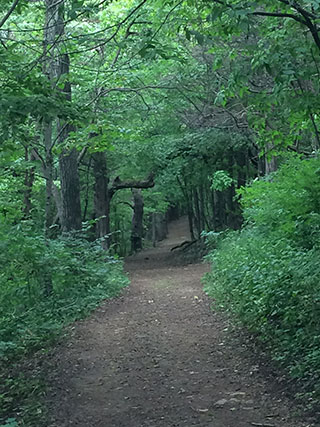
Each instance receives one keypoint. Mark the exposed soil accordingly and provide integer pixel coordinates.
(160, 357)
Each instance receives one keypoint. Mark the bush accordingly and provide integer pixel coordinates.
(287, 203)
(268, 273)
(80, 273)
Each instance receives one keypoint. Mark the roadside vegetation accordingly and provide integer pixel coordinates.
(267, 274)
(32, 317)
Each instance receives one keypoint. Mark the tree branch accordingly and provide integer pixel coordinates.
(305, 19)
(6, 17)
(38, 156)
(128, 204)
(82, 154)
(119, 185)
(300, 9)
(279, 15)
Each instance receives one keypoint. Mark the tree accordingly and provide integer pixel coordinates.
(137, 220)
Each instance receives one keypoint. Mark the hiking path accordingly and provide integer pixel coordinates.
(159, 356)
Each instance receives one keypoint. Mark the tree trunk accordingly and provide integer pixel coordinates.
(190, 221)
(230, 207)
(154, 229)
(53, 29)
(70, 191)
(48, 169)
(55, 66)
(49, 205)
(101, 198)
(213, 219)
(197, 212)
(118, 184)
(137, 221)
(219, 210)
(68, 163)
(271, 163)
(203, 221)
(87, 191)
(28, 184)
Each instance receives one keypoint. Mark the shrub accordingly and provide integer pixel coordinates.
(268, 273)
(81, 274)
(287, 203)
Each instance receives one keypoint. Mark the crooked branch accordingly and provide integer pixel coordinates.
(118, 184)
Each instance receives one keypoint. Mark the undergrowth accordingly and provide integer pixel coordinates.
(268, 274)
(81, 275)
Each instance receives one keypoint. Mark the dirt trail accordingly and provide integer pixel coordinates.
(159, 357)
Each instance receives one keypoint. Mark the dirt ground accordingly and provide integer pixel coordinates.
(158, 356)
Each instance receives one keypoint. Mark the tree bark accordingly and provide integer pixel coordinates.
(190, 221)
(70, 191)
(101, 198)
(68, 163)
(48, 169)
(56, 65)
(137, 220)
(28, 184)
(87, 190)
(118, 184)
(52, 31)
(271, 164)
(219, 210)
(49, 205)
(195, 198)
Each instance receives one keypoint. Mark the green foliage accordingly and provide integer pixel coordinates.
(21, 394)
(10, 422)
(81, 273)
(287, 203)
(221, 180)
(268, 273)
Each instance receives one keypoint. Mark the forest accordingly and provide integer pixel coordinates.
(118, 116)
